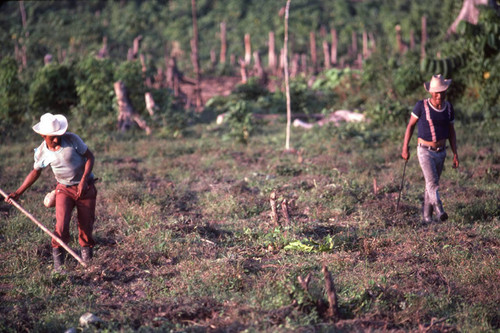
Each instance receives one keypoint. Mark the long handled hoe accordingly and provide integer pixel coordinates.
(47, 231)
(401, 188)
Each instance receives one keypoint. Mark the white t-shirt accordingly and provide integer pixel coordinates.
(67, 163)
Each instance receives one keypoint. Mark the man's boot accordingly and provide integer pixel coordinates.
(427, 210)
(58, 256)
(441, 214)
(87, 254)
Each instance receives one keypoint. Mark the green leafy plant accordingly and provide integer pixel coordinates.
(240, 122)
(94, 86)
(130, 73)
(12, 99)
(53, 89)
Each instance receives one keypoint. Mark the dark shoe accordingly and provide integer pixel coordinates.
(58, 255)
(87, 254)
(427, 211)
(441, 214)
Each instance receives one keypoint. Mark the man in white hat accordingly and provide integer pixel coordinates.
(434, 118)
(71, 162)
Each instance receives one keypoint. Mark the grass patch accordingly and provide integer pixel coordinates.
(185, 241)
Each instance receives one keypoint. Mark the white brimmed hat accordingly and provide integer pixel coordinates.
(437, 84)
(51, 124)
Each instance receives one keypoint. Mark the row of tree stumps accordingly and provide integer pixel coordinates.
(169, 76)
(306, 64)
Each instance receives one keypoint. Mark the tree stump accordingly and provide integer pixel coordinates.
(333, 54)
(127, 115)
(248, 49)
(274, 211)
(333, 311)
(284, 210)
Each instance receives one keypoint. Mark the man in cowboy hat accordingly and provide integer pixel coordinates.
(434, 118)
(71, 162)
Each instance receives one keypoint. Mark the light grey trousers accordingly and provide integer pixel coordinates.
(431, 163)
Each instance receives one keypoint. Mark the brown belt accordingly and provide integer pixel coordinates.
(437, 149)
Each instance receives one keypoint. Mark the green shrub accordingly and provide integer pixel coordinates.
(53, 89)
(389, 112)
(94, 86)
(12, 101)
(407, 77)
(240, 121)
(130, 72)
(170, 116)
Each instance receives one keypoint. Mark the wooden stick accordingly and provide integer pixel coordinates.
(47, 231)
(423, 38)
(195, 58)
(284, 210)
(312, 46)
(223, 45)
(326, 55)
(287, 79)
(271, 53)
(401, 188)
(248, 49)
(334, 47)
(333, 310)
(274, 212)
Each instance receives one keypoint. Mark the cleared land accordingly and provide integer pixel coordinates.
(185, 241)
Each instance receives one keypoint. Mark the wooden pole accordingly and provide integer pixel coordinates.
(294, 70)
(284, 210)
(47, 231)
(365, 45)
(424, 37)
(243, 71)
(24, 58)
(136, 45)
(312, 46)
(195, 59)
(271, 53)
(334, 48)
(282, 62)
(287, 84)
(248, 50)
(354, 44)
(274, 212)
(326, 55)
(223, 43)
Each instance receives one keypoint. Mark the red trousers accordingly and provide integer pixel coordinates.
(85, 207)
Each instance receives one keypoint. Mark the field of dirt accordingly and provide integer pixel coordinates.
(186, 241)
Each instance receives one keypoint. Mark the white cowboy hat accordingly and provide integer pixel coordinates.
(437, 84)
(51, 125)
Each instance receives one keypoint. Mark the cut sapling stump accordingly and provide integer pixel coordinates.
(274, 212)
